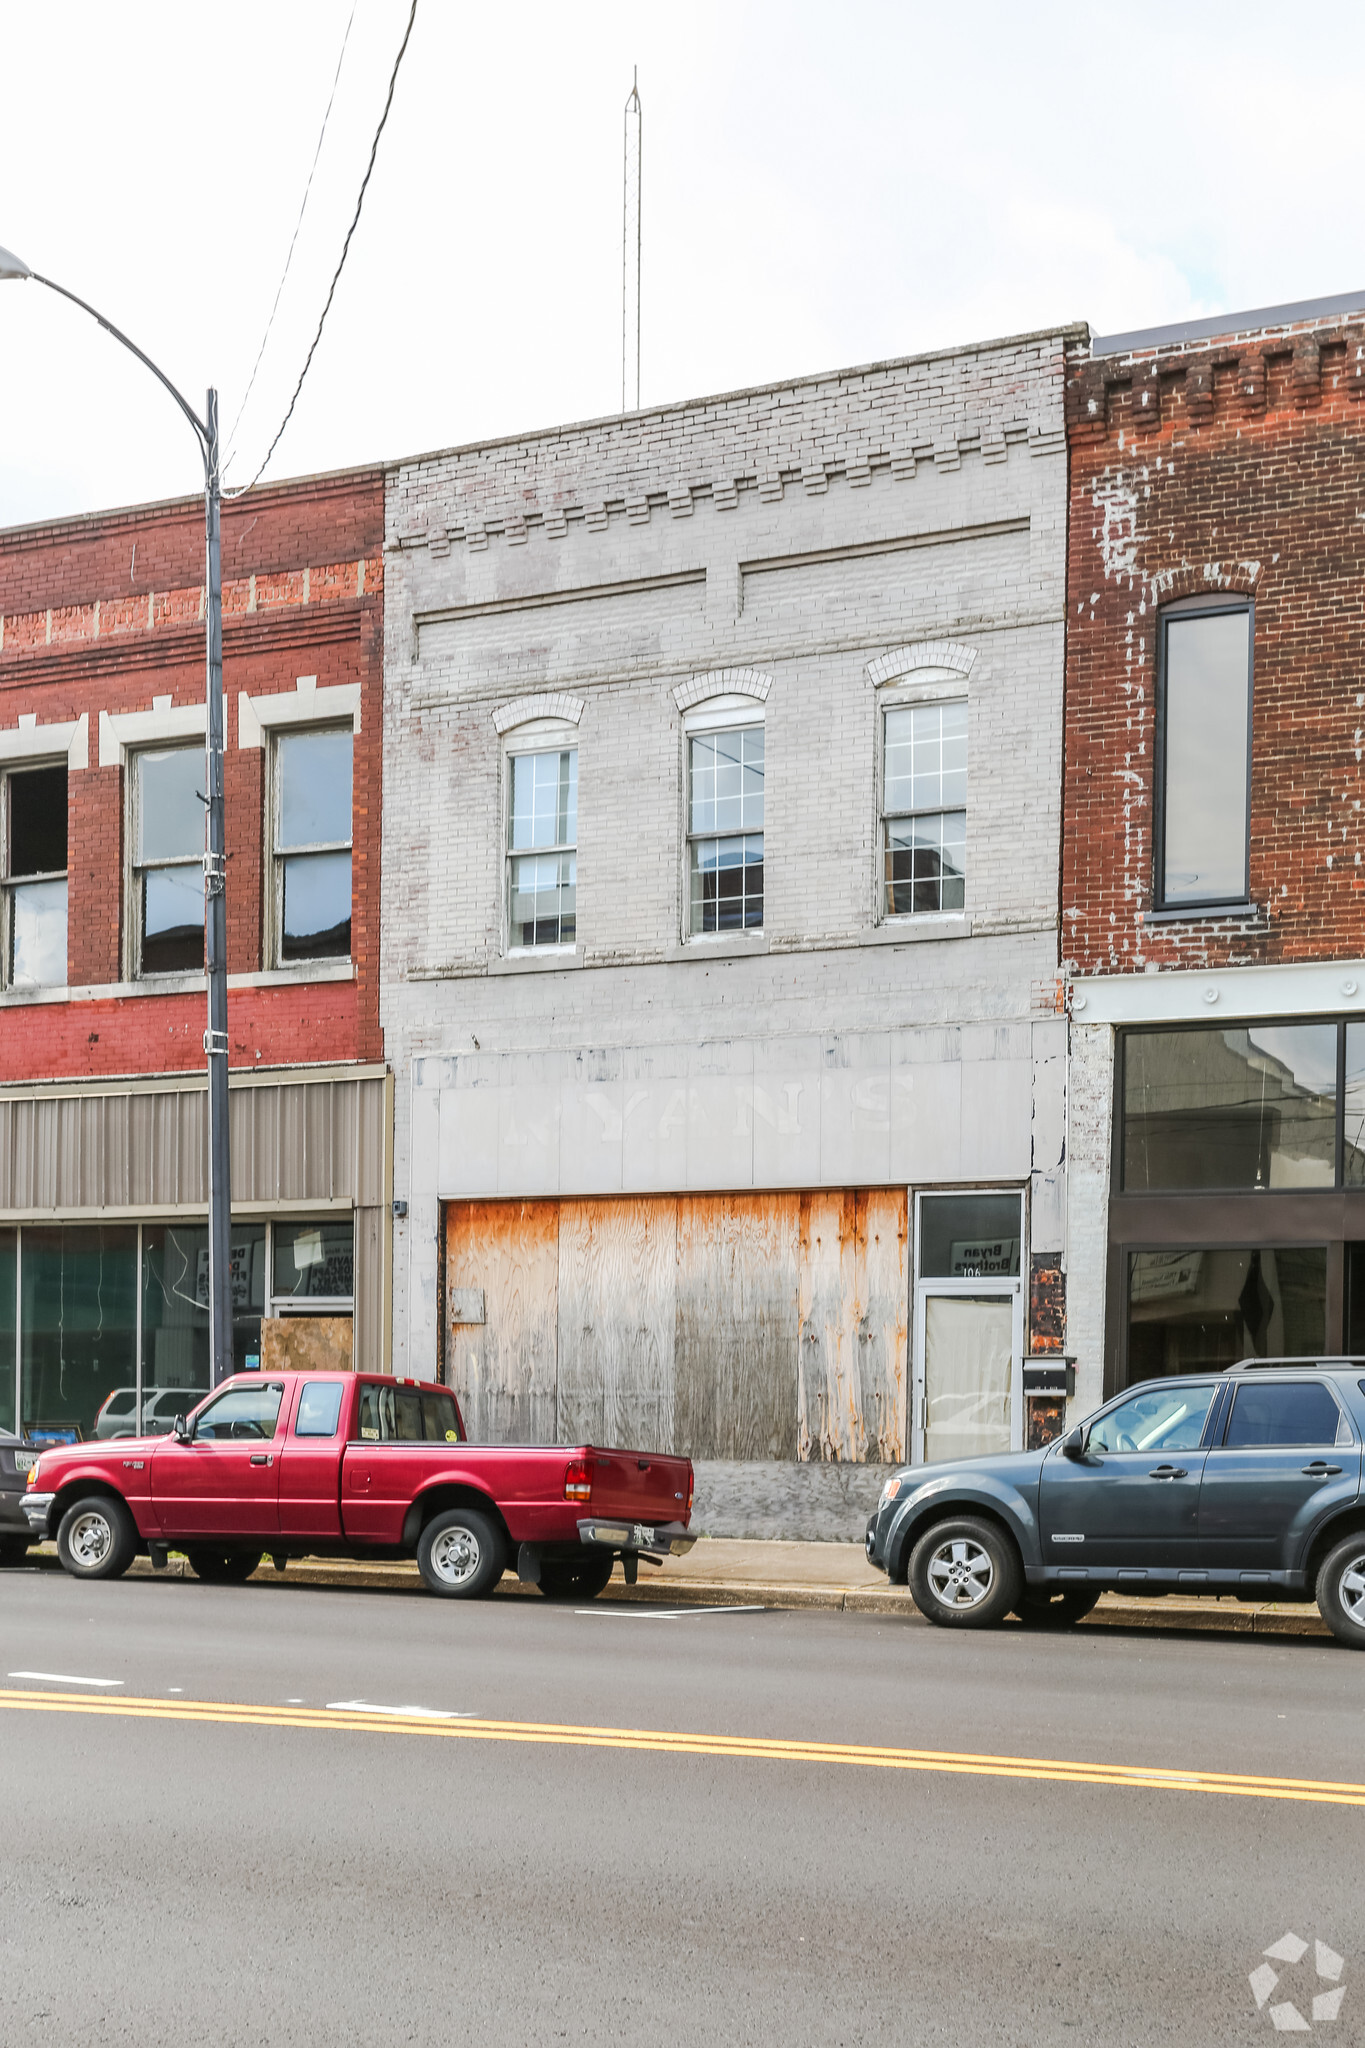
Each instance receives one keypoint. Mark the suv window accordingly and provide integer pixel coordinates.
(242, 1414)
(408, 1415)
(1296, 1412)
(1161, 1419)
(319, 1408)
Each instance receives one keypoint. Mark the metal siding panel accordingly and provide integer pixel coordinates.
(43, 1191)
(265, 1143)
(504, 1371)
(368, 1343)
(192, 1162)
(737, 1343)
(8, 1142)
(618, 1269)
(368, 1167)
(317, 1126)
(291, 1142)
(115, 1175)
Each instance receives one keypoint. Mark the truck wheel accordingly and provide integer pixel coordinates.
(461, 1554)
(97, 1538)
(13, 1549)
(1341, 1591)
(221, 1567)
(1042, 1608)
(965, 1574)
(564, 1578)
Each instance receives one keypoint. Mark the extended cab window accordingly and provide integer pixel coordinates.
(1167, 1419)
(408, 1415)
(319, 1408)
(1292, 1414)
(242, 1414)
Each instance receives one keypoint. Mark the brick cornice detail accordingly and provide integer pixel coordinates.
(314, 626)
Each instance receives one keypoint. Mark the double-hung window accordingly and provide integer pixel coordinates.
(725, 830)
(34, 877)
(924, 809)
(168, 861)
(542, 848)
(310, 864)
(1203, 755)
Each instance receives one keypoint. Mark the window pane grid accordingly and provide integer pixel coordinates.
(727, 884)
(926, 863)
(33, 870)
(543, 815)
(544, 808)
(924, 795)
(313, 784)
(725, 793)
(926, 758)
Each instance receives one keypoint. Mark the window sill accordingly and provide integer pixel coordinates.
(718, 946)
(177, 985)
(1204, 913)
(913, 931)
(537, 960)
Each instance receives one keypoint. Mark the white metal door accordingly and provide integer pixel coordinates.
(968, 1376)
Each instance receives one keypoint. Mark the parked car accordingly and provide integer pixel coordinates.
(1246, 1482)
(347, 1465)
(15, 1461)
(118, 1413)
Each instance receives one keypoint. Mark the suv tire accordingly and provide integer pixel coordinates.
(965, 1573)
(575, 1578)
(97, 1538)
(1043, 1607)
(1341, 1591)
(461, 1554)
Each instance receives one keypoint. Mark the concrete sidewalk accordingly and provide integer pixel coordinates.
(830, 1576)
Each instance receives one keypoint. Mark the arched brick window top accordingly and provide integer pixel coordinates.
(1204, 579)
(530, 710)
(950, 656)
(723, 682)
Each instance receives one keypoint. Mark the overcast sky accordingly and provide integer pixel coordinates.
(823, 185)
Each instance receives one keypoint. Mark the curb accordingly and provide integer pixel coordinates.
(1171, 1615)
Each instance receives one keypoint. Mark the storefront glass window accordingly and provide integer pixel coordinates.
(1201, 1310)
(315, 1261)
(8, 1244)
(78, 1356)
(175, 1316)
(1253, 1107)
(1353, 1108)
(965, 1237)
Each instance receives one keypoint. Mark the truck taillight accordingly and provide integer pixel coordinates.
(578, 1480)
(691, 1489)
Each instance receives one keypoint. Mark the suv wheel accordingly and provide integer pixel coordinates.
(461, 1554)
(1341, 1591)
(1043, 1608)
(965, 1574)
(97, 1538)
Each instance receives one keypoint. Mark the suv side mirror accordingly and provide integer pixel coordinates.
(1073, 1443)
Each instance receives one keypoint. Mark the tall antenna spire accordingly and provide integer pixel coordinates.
(630, 255)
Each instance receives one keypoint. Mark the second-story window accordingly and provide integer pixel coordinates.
(34, 877)
(1203, 755)
(311, 846)
(542, 841)
(725, 830)
(168, 861)
(924, 809)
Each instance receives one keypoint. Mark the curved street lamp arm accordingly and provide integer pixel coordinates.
(190, 414)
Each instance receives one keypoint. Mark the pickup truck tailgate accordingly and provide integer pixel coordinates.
(640, 1485)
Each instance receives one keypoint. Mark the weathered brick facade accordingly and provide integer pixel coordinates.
(101, 619)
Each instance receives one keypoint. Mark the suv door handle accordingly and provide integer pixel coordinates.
(1168, 1472)
(260, 1457)
(1319, 1469)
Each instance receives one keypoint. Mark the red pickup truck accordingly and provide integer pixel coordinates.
(357, 1465)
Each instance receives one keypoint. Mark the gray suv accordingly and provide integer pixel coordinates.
(1246, 1482)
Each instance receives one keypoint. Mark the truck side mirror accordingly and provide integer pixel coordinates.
(182, 1430)
(1073, 1443)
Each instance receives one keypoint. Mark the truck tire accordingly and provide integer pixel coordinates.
(461, 1554)
(221, 1567)
(13, 1549)
(97, 1538)
(572, 1578)
(1041, 1607)
(1341, 1591)
(965, 1573)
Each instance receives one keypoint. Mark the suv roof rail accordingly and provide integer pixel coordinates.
(1342, 1362)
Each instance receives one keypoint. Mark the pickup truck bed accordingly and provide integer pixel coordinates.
(341, 1464)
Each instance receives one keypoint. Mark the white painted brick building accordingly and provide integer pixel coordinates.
(662, 1183)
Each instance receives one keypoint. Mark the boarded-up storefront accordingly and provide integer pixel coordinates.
(733, 1326)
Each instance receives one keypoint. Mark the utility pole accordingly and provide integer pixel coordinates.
(630, 254)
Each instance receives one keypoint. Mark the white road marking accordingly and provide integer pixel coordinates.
(64, 1678)
(406, 1713)
(293, 1703)
(623, 1613)
(175, 1688)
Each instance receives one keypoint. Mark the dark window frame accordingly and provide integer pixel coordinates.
(278, 855)
(10, 882)
(1185, 608)
(1118, 1299)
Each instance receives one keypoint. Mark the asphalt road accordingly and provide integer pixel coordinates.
(304, 1868)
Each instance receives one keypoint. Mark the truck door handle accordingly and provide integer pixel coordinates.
(260, 1457)
(1319, 1469)
(1168, 1472)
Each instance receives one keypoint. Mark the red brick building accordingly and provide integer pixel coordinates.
(1213, 897)
(102, 993)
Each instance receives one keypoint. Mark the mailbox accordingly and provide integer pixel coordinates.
(1050, 1373)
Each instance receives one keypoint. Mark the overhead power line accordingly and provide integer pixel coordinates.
(630, 250)
(345, 248)
(232, 432)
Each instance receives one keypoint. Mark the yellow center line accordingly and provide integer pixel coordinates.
(1137, 1777)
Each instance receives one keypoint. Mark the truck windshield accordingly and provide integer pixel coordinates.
(408, 1415)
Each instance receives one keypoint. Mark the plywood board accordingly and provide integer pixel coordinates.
(306, 1343)
(617, 1311)
(504, 1370)
(829, 1423)
(737, 1326)
(881, 1319)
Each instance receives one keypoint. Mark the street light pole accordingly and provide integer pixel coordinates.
(215, 850)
